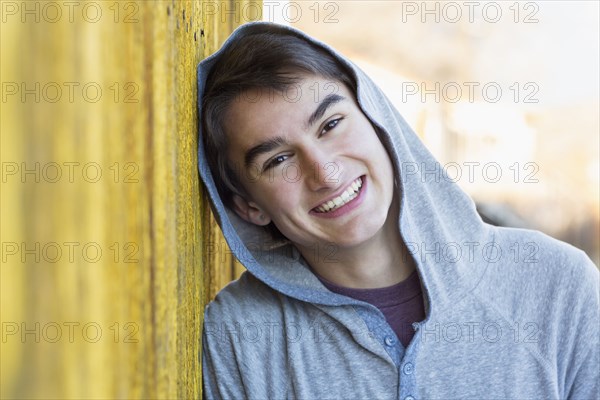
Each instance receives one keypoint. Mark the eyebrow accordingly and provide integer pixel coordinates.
(269, 145)
(263, 148)
(327, 102)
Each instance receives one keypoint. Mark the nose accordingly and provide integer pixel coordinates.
(323, 170)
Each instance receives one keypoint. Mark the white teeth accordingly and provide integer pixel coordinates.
(349, 194)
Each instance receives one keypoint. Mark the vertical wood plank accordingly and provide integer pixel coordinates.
(106, 233)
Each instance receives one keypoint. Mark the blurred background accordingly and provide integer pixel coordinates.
(109, 250)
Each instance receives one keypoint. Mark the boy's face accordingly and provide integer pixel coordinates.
(300, 153)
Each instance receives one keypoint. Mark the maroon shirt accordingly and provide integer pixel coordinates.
(401, 304)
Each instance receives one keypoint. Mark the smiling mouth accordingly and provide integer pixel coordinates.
(351, 192)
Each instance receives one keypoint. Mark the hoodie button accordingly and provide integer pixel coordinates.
(408, 368)
(389, 341)
(409, 398)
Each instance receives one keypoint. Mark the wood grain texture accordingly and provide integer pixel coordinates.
(109, 248)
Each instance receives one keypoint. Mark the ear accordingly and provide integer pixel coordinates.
(250, 211)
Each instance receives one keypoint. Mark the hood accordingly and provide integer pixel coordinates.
(438, 221)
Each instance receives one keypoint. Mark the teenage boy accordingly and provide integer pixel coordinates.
(368, 275)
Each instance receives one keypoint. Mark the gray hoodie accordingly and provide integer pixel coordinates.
(510, 313)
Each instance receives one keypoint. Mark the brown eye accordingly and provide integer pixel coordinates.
(330, 125)
(275, 161)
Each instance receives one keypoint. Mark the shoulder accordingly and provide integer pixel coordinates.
(538, 277)
(530, 253)
(548, 288)
(237, 337)
(243, 300)
(543, 282)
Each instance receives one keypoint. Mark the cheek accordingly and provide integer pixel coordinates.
(276, 198)
(378, 156)
(366, 143)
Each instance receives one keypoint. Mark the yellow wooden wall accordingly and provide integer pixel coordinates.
(109, 251)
